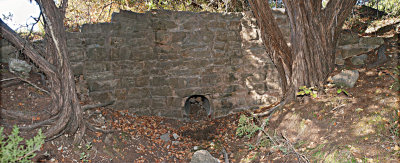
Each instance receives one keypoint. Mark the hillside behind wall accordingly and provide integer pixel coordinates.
(150, 63)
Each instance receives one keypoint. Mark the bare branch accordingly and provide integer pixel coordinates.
(7, 33)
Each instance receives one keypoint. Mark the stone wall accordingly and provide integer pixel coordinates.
(150, 63)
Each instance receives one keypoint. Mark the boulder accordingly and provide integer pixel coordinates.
(346, 78)
(359, 60)
(19, 66)
(202, 156)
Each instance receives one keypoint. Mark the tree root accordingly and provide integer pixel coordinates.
(299, 156)
(270, 111)
(95, 129)
(87, 107)
(39, 124)
(18, 115)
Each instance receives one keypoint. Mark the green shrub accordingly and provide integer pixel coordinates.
(246, 127)
(12, 151)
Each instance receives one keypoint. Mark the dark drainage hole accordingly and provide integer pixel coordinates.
(197, 107)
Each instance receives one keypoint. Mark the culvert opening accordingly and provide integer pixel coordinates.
(197, 107)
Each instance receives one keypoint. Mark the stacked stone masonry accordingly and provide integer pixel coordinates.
(150, 63)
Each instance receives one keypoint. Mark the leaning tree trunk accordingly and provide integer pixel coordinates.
(53, 61)
(313, 37)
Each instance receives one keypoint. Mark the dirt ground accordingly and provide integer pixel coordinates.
(360, 126)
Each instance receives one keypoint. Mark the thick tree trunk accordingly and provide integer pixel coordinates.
(55, 64)
(314, 33)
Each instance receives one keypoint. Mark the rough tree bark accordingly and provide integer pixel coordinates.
(313, 37)
(53, 61)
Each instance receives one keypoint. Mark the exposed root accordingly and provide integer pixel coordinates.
(18, 115)
(39, 124)
(96, 129)
(270, 111)
(87, 107)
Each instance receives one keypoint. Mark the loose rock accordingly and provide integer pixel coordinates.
(203, 156)
(346, 78)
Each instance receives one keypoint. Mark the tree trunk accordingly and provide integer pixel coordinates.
(313, 37)
(54, 62)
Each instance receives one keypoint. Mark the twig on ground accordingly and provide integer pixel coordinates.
(87, 107)
(337, 107)
(8, 79)
(225, 155)
(26, 155)
(300, 156)
(34, 85)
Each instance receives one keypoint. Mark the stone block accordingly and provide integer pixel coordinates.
(164, 25)
(163, 37)
(348, 38)
(137, 93)
(359, 60)
(372, 41)
(91, 28)
(175, 102)
(75, 42)
(106, 75)
(94, 67)
(97, 54)
(126, 82)
(221, 36)
(234, 25)
(77, 55)
(216, 26)
(161, 91)
(192, 82)
(142, 81)
(101, 96)
(176, 83)
(101, 85)
(209, 80)
(158, 81)
(219, 45)
(98, 41)
(139, 103)
(158, 102)
(116, 41)
(121, 94)
(77, 68)
(350, 51)
(178, 36)
(186, 92)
